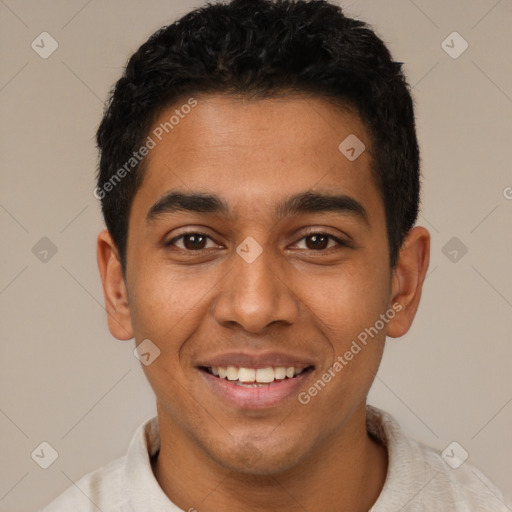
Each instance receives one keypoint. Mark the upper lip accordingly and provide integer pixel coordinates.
(255, 360)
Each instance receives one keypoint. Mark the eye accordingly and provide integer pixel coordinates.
(192, 241)
(197, 241)
(320, 241)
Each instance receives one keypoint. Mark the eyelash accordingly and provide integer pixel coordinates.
(340, 242)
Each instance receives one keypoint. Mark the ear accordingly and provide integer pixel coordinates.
(408, 277)
(114, 288)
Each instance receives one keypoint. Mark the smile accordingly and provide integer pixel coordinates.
(244, 387)
(254, 377)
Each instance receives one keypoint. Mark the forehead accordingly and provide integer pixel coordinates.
(257, 151)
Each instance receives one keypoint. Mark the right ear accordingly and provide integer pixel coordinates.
(114, 288)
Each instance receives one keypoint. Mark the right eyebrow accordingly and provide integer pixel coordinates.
(180, 201)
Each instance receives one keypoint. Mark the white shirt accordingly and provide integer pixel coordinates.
(418, 479)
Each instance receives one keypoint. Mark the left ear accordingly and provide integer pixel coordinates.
(408, 277)
(114, 288)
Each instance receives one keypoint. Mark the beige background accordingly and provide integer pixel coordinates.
(66, 381)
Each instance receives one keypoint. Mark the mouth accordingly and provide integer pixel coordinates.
(265, 387)
(255, 377)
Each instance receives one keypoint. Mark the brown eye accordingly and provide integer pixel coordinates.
(190, 241)
(318, 242)
(194, 241)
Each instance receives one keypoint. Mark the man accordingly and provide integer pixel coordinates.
(259, 179)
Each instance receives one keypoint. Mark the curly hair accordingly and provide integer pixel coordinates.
(259, 49)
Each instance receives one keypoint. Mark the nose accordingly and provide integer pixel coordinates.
(255, 294)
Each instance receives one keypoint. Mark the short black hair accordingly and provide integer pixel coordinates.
(260, 49)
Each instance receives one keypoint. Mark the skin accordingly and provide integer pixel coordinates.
(296, 297)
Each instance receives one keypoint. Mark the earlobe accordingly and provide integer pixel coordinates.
(114, 288)
(408, 278)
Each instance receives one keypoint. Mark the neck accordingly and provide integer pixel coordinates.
(349, 468)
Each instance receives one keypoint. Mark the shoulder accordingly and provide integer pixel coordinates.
(419, 479)
(459, 488)
(113, 486)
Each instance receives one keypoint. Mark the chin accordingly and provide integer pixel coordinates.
(265, 459)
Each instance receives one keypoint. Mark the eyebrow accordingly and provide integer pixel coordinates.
(305, 202)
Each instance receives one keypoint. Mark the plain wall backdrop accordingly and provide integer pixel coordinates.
(65, 380)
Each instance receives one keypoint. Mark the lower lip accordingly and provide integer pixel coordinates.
(261, 397)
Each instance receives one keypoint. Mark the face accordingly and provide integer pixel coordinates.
(256, 248)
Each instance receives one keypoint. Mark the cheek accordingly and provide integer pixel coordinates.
(347, 307)
(348, 301)
(165, 301)
(347, 310)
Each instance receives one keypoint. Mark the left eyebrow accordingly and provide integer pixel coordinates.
(305, 202)
(314, 202)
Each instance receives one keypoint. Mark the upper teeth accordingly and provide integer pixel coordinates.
(262, 375)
